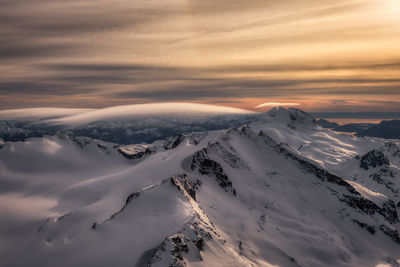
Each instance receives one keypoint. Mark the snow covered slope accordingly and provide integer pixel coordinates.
(279, 192)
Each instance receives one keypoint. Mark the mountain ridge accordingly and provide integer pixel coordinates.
(263, 194)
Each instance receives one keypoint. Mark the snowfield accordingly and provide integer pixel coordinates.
(280, 191)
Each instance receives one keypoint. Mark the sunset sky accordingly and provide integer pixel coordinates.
(319, 55)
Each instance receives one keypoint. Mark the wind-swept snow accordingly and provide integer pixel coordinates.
(280, 192)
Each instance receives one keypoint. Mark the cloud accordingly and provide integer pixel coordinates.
(92, 53)
(152, 109)
(274, 104)
(28, 114)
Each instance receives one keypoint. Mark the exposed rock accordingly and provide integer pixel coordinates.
(101, 146)
(365, 226)
(186, 244)
(373, 158)
(209, 167)
(127, 201)
(355, 200)
(384, 176)
(189, 186)
(135, 151)
(82, 141)
(173, 141)
(388, 211)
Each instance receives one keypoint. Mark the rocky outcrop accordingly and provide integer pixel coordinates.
(190, 187)
(369, 228)
(209, 167)
(82, 141)
(385, 176)
(173, 142)
(134, 155)
(186, 244)
(388, 209)
(373, 159)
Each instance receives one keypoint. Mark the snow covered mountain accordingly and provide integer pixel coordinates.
(280, 191)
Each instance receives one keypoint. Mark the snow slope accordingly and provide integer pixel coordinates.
(278, 192)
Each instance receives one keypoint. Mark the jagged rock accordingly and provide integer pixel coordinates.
(189, 186)
(186, 244)
(127, 201)
(173, 141)
(365, 226)
(384, 176)
(388, 211)
(101, 146)
(136, 152)
(82, 141)
(209, 167)
(373, 158)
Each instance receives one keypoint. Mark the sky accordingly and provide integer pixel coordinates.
(318, 55)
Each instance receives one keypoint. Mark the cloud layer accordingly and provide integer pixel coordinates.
(274, 104)
(321, 54)
(78, 116)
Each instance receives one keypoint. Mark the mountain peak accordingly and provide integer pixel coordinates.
(292, 117)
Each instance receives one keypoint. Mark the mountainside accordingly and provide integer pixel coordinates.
(278, 192)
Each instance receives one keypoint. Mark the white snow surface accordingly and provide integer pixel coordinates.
(67, 202)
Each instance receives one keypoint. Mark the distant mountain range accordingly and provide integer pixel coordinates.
(389, 129)
(357, 115)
